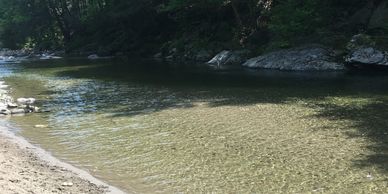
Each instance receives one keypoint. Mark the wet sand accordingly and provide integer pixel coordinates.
(25, 168)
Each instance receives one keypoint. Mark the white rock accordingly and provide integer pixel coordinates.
(41, 126)
(17, 111)
(12, 105)
(5, 112)
(3, 86)
(94, 56)
(68, 184)
(26, 100)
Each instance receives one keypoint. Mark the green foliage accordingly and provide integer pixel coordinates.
(27, 23)
(113, 26)
(292, 18)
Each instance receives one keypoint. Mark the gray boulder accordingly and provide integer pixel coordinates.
(93, 57)
(225, 58)
(307, 58)
(367, 56)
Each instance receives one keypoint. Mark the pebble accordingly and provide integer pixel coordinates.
(68, 184)
(41, 126)
(369, 176)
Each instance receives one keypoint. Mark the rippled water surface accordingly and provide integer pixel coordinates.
(151, 127)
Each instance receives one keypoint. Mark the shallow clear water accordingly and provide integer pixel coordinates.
(151, 127)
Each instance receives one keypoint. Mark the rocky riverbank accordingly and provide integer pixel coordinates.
(361, 51)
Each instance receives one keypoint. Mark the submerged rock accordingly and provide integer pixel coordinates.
(40, 126)
(310, 58)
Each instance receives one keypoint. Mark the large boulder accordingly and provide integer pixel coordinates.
(225, 58)
(367, 56)
(307, 58)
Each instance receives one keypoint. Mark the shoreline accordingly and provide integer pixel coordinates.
(26, 168)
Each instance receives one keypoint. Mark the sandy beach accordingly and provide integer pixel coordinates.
(25, 168)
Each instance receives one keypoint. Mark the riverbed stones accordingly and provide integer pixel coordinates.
(33, 109)
(9, 107)
(306, 58)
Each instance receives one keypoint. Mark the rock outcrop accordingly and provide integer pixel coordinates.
(307, 58)
(362, 52)
(367, 56)
(229, 58)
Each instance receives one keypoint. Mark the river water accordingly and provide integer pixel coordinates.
(150, 127)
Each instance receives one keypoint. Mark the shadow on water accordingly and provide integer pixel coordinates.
(242, 87)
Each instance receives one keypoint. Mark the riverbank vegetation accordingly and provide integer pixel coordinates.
(151, 26)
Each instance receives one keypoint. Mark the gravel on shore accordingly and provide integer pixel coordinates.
(25, 168)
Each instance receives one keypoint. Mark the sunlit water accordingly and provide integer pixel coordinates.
(159, 128)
